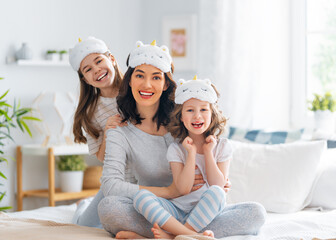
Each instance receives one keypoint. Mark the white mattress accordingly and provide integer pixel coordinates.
(306, 224)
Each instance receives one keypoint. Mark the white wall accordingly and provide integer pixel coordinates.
(58, 24)
(54, 24)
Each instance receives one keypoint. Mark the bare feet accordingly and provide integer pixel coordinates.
(208, 233)
(128, 235)
(159, 233)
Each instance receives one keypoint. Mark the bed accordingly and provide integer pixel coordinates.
(55, 223)
(295, 182)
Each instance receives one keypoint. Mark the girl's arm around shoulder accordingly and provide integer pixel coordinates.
(112, 122)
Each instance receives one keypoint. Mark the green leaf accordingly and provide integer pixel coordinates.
(5, 104)
(19, 124)
(7, 135)
(2, 159)
(3, 95)
(2, 195)
(21, 112)
(27, 128)
(5, 208)
(31, 118)
(2, 175)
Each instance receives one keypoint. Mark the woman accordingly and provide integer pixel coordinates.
(146, 100)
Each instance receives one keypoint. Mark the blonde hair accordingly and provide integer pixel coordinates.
(87, 104)
(216, 127)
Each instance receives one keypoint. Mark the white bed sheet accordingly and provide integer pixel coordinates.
(306, 224)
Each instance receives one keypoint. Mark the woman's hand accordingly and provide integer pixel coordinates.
(114, 121)
(198, 182)
(172, 191)
(227, 186)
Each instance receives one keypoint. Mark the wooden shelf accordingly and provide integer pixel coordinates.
(43, 63)
(49, 152)
(38, 149)
(60, 196)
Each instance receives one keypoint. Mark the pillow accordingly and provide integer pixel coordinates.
(323, 192)
(277, 176)
(260, 136)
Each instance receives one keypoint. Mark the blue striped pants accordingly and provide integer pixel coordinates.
(159, 210)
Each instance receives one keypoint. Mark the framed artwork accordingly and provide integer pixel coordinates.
(179, 35)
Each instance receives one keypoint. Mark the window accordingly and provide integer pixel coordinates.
(321, 46)
(313, 51)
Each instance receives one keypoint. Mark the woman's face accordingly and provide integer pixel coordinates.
(147, 84)
(98, 70)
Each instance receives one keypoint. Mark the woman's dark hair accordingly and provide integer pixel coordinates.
(127, 105)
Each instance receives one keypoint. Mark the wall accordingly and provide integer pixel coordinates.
(54, 24)
(58, 24)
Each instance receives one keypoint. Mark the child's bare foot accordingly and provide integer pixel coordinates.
(128, 235)
(159, 233)
(208, 233)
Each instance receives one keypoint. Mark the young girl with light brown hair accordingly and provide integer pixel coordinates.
(100, 79)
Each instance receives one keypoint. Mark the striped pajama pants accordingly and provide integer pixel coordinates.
(159, 210)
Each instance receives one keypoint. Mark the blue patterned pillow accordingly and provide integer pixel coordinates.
(331, 143)
(260, 136)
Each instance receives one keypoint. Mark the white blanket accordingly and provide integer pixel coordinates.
(307, 224)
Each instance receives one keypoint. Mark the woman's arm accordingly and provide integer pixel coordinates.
(113, 177)
(164, 192)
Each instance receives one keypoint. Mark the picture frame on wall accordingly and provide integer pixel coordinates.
(179, 35)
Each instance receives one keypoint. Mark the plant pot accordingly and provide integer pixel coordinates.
(71, 181)
(53, 57)
(92, 176)
(64, 57)
(325, 121)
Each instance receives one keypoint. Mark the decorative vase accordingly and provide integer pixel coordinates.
(92, 176)
(71, 181)
(325, 121)
(24, 52)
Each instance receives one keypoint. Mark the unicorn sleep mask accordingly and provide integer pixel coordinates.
(84, 48)
(150, 54)
(195, 88)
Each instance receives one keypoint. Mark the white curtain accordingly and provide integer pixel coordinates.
(244, 50)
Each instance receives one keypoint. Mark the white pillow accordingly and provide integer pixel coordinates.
(323, 192)
(278, 176)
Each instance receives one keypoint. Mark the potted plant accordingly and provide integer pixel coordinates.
(71, 169)
(11, 116)
(64, 56)
(324, 107)
(52, 55)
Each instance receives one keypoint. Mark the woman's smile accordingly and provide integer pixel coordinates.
(146, 94)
